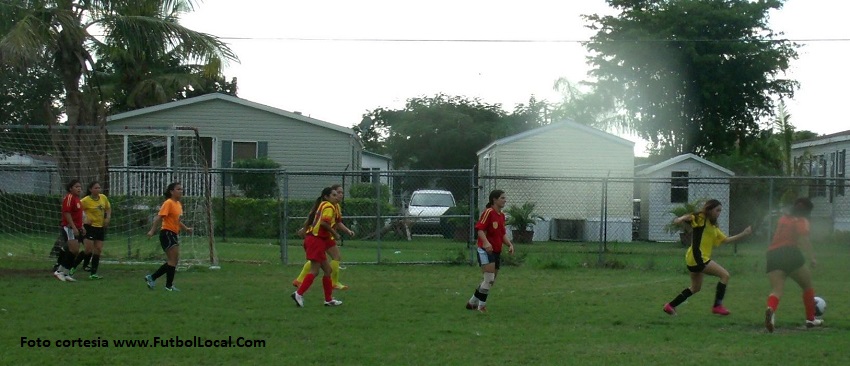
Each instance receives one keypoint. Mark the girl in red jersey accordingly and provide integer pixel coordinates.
(706, 236)
(318, 240)
(785, 258)
(491, 237)
(169, 215)
(72, 230)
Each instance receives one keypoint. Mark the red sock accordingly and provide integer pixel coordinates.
(305, 285)
(809, 302)
(327, 285)
(773, 302)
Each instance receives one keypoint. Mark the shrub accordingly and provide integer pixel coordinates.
(256, 184)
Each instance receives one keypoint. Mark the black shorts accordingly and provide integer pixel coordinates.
(95, 233)
(168, 239)
(699, 268)
(785, 259)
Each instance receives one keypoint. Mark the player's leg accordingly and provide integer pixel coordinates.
(336, 258)
(714, 269)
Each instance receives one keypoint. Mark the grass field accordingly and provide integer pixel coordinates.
(556, 306)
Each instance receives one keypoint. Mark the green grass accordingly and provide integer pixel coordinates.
(558, 306)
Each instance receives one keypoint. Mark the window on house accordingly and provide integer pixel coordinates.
(679, 187)
(244, 150)
(147, 151)
(818, 171)
(840, 161)
(366, 177)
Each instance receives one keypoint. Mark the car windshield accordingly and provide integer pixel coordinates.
(432, 200)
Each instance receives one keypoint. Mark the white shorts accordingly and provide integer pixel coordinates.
(69, 233)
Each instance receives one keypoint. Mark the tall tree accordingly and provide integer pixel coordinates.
(443, 132)
(692, 75)
(65, 29)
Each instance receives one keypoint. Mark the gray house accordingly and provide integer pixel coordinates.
(568, 162)
(825, 160)
(230, 129)
(673, 182)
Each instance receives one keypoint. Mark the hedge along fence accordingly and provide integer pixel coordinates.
(263, 218)
(34, 214)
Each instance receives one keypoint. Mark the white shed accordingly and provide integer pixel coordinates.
(560, 168)
(825, 158)
(684, 178)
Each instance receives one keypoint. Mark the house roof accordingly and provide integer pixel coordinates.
(231, 99)
(364, 152)
(553, 126)
(823, 140)
(681, 158)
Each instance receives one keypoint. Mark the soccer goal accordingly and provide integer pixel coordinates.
(133, 166)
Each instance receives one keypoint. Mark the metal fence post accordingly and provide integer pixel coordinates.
(284, 241)
(376, 182)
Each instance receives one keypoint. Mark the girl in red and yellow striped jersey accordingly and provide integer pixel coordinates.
(318, 240)
(333, 251)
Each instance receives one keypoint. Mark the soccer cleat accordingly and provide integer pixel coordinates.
(149, 280)
(340, 286)
(333, 302)
(296, 283)
(172, 289)
(471, 306)
(814, 323)
(720, 310)
(299, 300)
(769, 319)
(72, 271)
(87, 268)
(669, 309)
(68, 278)
(59, 276)
(95, 277)
(482, 309)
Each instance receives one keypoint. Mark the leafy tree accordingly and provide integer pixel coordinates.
(691, 75)
(65, 30)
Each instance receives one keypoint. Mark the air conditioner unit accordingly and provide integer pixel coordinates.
(568, 229)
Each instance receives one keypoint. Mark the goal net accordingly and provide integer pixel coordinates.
(133, 166)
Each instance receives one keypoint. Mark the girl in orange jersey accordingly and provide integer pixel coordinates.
(785, 258)
(169, 215)
(316, 243)
(492, 235)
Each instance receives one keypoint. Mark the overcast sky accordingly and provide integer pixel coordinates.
(294, 54)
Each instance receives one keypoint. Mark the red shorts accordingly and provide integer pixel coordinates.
(315, 248)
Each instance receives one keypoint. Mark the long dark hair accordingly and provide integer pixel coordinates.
(88, 190)
(708, 206)
(802, 207)
(494, 195)
(71, 184)
(311, 220)
(170, 188)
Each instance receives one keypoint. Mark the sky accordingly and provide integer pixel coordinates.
(321, 58)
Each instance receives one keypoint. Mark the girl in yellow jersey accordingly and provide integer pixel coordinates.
(706, 236)
(169, 215)
(98, 212)
(333, 251)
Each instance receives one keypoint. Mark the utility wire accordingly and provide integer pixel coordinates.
(446, 40)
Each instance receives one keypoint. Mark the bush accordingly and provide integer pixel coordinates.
(367, 190)
(256, 184)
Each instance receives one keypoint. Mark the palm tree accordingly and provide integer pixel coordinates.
(786, 135)
(68, 29)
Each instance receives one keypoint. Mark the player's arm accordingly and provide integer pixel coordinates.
(325, 222)
(683, 219)
(484, 242)
(70, 221)
(507, 241)
(345, 229)
(156, 221)
(741, 235)
(107, 214)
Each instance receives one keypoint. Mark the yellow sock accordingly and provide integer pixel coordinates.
(335, 272)
(304, 272)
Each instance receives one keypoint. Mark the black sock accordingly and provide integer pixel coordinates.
(87, 260)
(163, 269)
(78, 259)
(67, 260)
(95, 261)
(169, 276)
(720, 293)
(686, 293)
(480, 296)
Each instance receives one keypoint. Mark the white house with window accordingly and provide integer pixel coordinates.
(230, 129)
(372, 165)
(824, 159)
(682, 179)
